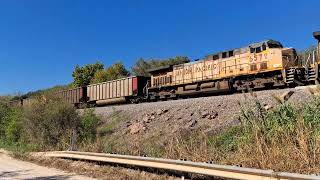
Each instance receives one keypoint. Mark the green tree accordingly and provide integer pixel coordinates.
(100, 76)
(113, 72)
(117, 71)
(142, 66)
(82, 76)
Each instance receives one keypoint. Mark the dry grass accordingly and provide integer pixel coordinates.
(284, 139)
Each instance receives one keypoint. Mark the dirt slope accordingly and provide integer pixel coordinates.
(155, 123)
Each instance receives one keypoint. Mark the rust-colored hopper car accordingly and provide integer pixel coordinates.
(74, 96)
(129, 89)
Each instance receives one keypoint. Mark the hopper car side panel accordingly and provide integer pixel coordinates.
(74, 96)
(117, 91)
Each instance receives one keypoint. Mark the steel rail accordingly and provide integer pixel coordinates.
(224, 171)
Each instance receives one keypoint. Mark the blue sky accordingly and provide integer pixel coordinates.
(42, 40)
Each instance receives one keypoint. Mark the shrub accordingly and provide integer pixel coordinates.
(14, 127)
(226, 141)
(49, 122)
(46, 123)
(4, 112)
(88, 125)
(10, 124)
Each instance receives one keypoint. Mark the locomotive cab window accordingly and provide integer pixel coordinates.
(258, 50)
(230, 53)
(224, 55)
(264, 47)
(215, 57)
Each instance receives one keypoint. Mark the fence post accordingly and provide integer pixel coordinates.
(73, 139)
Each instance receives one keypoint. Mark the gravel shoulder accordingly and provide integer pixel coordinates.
(11, 168)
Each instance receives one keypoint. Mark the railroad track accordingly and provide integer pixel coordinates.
(180, 166)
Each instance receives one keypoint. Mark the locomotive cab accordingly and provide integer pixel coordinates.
(272, 55)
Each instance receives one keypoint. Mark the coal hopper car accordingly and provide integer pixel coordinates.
(124, 90)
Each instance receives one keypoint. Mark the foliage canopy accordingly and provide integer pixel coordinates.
(115, 71)
(82, 76)
(142, 66)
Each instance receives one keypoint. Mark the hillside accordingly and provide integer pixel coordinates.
(210, 114)
(247, 129)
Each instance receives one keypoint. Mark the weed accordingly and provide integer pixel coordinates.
(88, 126)
(116, 117)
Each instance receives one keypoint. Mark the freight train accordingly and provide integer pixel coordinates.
(266, 64)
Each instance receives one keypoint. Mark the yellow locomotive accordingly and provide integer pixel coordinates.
(259, 65)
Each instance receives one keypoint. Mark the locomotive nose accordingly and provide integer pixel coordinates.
(317, 35)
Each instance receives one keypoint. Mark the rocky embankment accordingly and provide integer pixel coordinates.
(211, 114)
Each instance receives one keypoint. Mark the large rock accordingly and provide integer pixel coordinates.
(204, 114)
(208, 114)
(161, 111)
(267, 107)
(192, 123)
(136, 128)
(146, 119)
(213, 115)
(285, 96)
